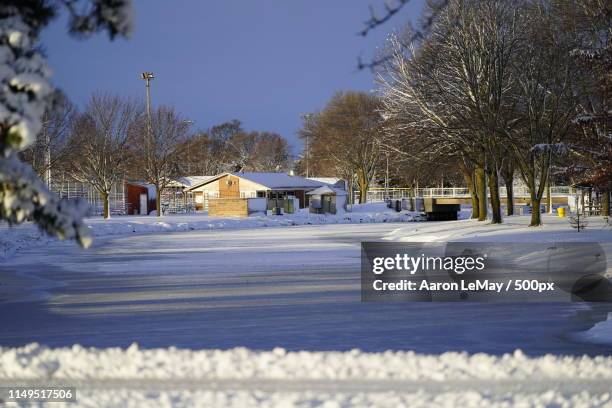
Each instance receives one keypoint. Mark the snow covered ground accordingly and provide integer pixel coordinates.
(293, 294)
(277, 378)
(12, 239)
(513, 229)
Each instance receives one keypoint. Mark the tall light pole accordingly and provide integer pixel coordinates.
(387, 176)
(147, 77)
(188, 123)
(306, 117)
(385, 118)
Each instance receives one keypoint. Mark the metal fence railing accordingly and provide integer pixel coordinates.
(70, 189)
(380, 194)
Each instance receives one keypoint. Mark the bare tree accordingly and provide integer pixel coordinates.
(347, 134)
(228, 147)
(544, 91)
(455, 89)
(51, 151)
(271, 152)
(100, 136)
(159, 154)
(426, 122)
(589, 22)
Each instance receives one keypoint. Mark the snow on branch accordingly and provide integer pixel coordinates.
(24, 80)
(86, 18)
(23, 195)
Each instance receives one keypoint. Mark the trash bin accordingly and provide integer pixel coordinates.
(289, 205)
(419, 204)
(398, 205)
(561, 212)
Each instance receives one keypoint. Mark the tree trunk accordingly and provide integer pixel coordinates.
(549, 209)
(493, 181)
(363, 188)
(468, 177)
(605, 203)
(509, 199)
(508, 174)
(481, 192)
(536, 219)
(158, 192)
(106, 204)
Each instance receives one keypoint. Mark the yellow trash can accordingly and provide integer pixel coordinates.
(561, 212)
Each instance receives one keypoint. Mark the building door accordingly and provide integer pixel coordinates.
(143, 204)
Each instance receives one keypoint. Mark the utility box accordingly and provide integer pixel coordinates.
(327, 200)
(291, 204)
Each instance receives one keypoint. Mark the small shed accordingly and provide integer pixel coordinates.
(139, 198)
(327, 200)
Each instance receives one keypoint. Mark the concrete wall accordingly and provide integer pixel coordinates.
(228, 207)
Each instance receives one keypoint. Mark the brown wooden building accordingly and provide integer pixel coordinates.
(272, 186)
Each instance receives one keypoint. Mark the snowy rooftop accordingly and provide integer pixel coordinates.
(327, 190)
(279, 180)
(327, 180)
(190, 181)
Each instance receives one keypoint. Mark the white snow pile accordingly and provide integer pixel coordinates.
(11, 239)
(242, 377)
(35, 361)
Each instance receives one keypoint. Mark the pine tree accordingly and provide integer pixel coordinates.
(24, 79)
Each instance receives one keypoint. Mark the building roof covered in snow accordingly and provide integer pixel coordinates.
(327, 190)
(189, 181)
(269, 181)
(326, 180)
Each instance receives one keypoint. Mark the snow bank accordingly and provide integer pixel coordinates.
(241, 377)
(34, 361)
(238, 398)
(11, 239)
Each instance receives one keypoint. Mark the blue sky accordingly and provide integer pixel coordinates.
(261, 61)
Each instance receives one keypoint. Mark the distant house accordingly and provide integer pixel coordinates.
(178, 192)
(252, 185)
